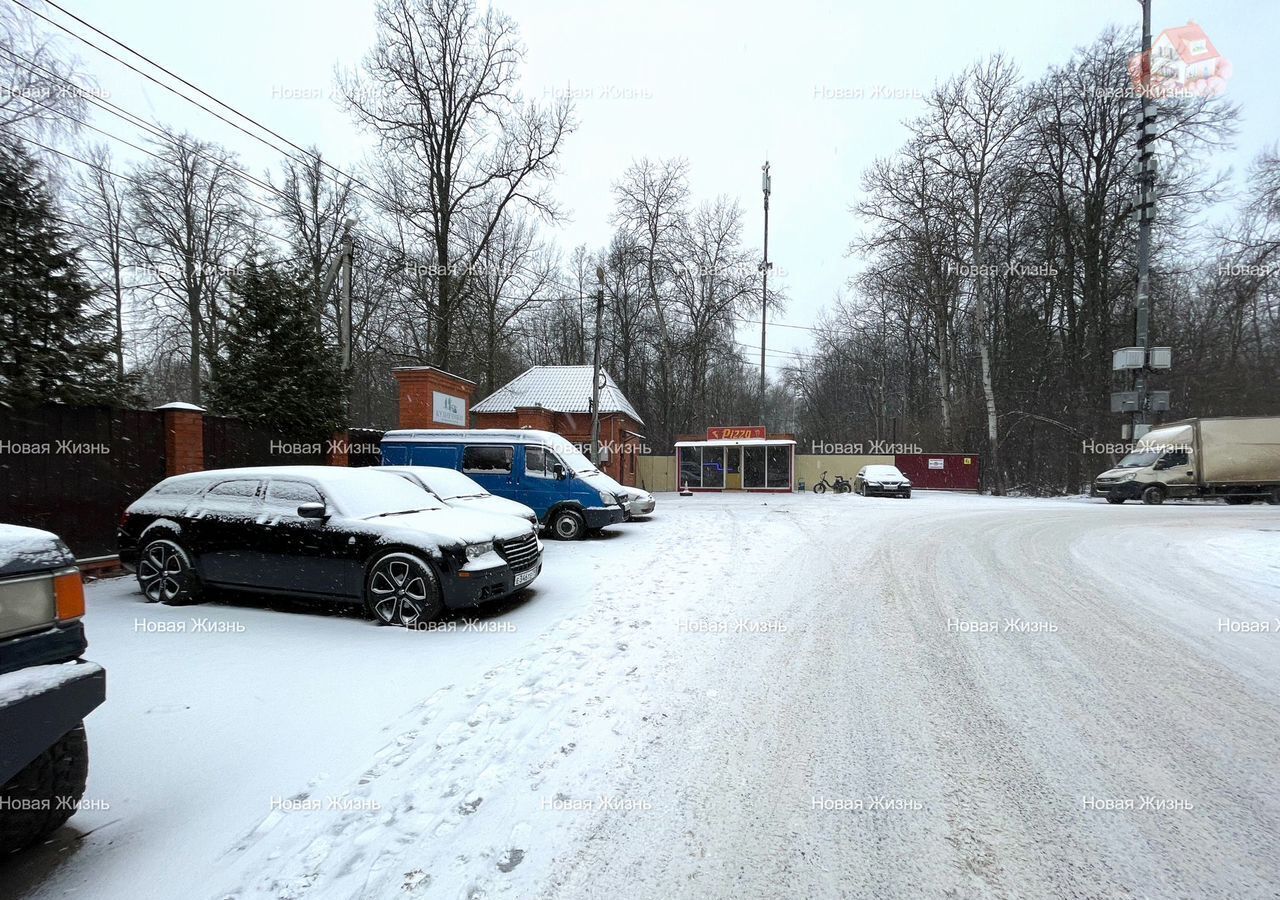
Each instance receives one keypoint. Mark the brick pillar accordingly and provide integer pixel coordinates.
(419, 387)
(337, 450)
(183, 438)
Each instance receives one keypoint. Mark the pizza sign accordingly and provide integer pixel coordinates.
(736, 433)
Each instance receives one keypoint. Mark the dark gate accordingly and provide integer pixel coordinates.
(941, 471)
(229, 443)
(73, 470)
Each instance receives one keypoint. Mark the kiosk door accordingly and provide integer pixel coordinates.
(753, 467)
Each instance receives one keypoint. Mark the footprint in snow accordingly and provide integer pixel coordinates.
(513, 858)
(467, 807)
(415, 879)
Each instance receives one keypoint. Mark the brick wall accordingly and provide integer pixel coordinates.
(416, 387)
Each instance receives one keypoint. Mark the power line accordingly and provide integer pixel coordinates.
(351, 179)
(383, 199)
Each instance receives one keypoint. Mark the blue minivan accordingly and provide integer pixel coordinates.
(540, 469)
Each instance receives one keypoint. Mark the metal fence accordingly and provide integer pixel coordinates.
(229, 443)
(364, 447)
(73, 470)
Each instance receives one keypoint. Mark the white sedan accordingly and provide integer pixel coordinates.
(454, 489)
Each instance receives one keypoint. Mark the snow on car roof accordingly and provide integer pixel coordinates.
(360, 492)
(883, 470)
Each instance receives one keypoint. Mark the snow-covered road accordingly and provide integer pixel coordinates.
(782, 696)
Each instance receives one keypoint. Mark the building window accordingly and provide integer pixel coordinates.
(779, 468)
(713, 467)
(487, 460)
(753, 467)
(691, 466)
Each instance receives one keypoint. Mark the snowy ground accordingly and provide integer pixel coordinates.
(782, 696)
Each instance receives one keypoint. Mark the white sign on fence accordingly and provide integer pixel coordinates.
(937, 464)
(447, 409)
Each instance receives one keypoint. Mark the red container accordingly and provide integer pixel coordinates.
(941, 471)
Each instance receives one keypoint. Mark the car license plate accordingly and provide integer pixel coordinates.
(525, 577)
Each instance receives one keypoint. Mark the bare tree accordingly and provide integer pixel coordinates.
(460, 148)
(187, 210)
(41, 90)
(972, 125)
(313, 207)
(650, 206)
(99, 199)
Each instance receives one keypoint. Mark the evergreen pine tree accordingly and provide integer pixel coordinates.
(53, 345)
(274, 370)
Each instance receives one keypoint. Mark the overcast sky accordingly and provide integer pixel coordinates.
(820, 88)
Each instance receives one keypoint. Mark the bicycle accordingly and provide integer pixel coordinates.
(840, 486)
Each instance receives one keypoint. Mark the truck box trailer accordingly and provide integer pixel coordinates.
(1235, 458)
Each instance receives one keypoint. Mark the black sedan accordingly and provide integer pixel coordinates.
(325, 532)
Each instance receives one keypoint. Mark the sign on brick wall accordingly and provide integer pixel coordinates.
(447, 409)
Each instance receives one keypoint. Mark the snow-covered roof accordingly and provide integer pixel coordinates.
(736, 442)
(562, 389)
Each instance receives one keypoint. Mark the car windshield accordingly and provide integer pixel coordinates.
(448, 484)
(575, 462)
(366, 494)
(883, 472)
(1139, 459)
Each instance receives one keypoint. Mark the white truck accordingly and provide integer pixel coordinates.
(1237, 459)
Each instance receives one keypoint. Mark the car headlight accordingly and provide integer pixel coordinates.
(533, 520)
(607, 499)
(475, 550)
(1127, 476)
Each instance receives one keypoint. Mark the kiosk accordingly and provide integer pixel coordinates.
(737, 458)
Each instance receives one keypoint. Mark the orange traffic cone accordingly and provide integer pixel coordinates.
(684, 490)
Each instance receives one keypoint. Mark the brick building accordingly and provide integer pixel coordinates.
(558, 399)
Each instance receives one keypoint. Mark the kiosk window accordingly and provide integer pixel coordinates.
(488, 460)
(779, 467)
(713, 467)
(691, 466)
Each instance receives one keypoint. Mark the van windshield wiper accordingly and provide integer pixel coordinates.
(402, 512)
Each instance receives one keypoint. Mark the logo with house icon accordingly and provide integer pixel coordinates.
(1184, 63)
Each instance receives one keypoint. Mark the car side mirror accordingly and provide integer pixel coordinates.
(558, 469)
(1161, 465)
(313, 511)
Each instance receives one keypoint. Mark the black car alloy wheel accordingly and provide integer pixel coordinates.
(165, 573)
(403, 590)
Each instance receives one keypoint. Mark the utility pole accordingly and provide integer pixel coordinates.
(1146, 212)
(341, 265)
(595, 374)
(1141, 359)
(766, 185)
